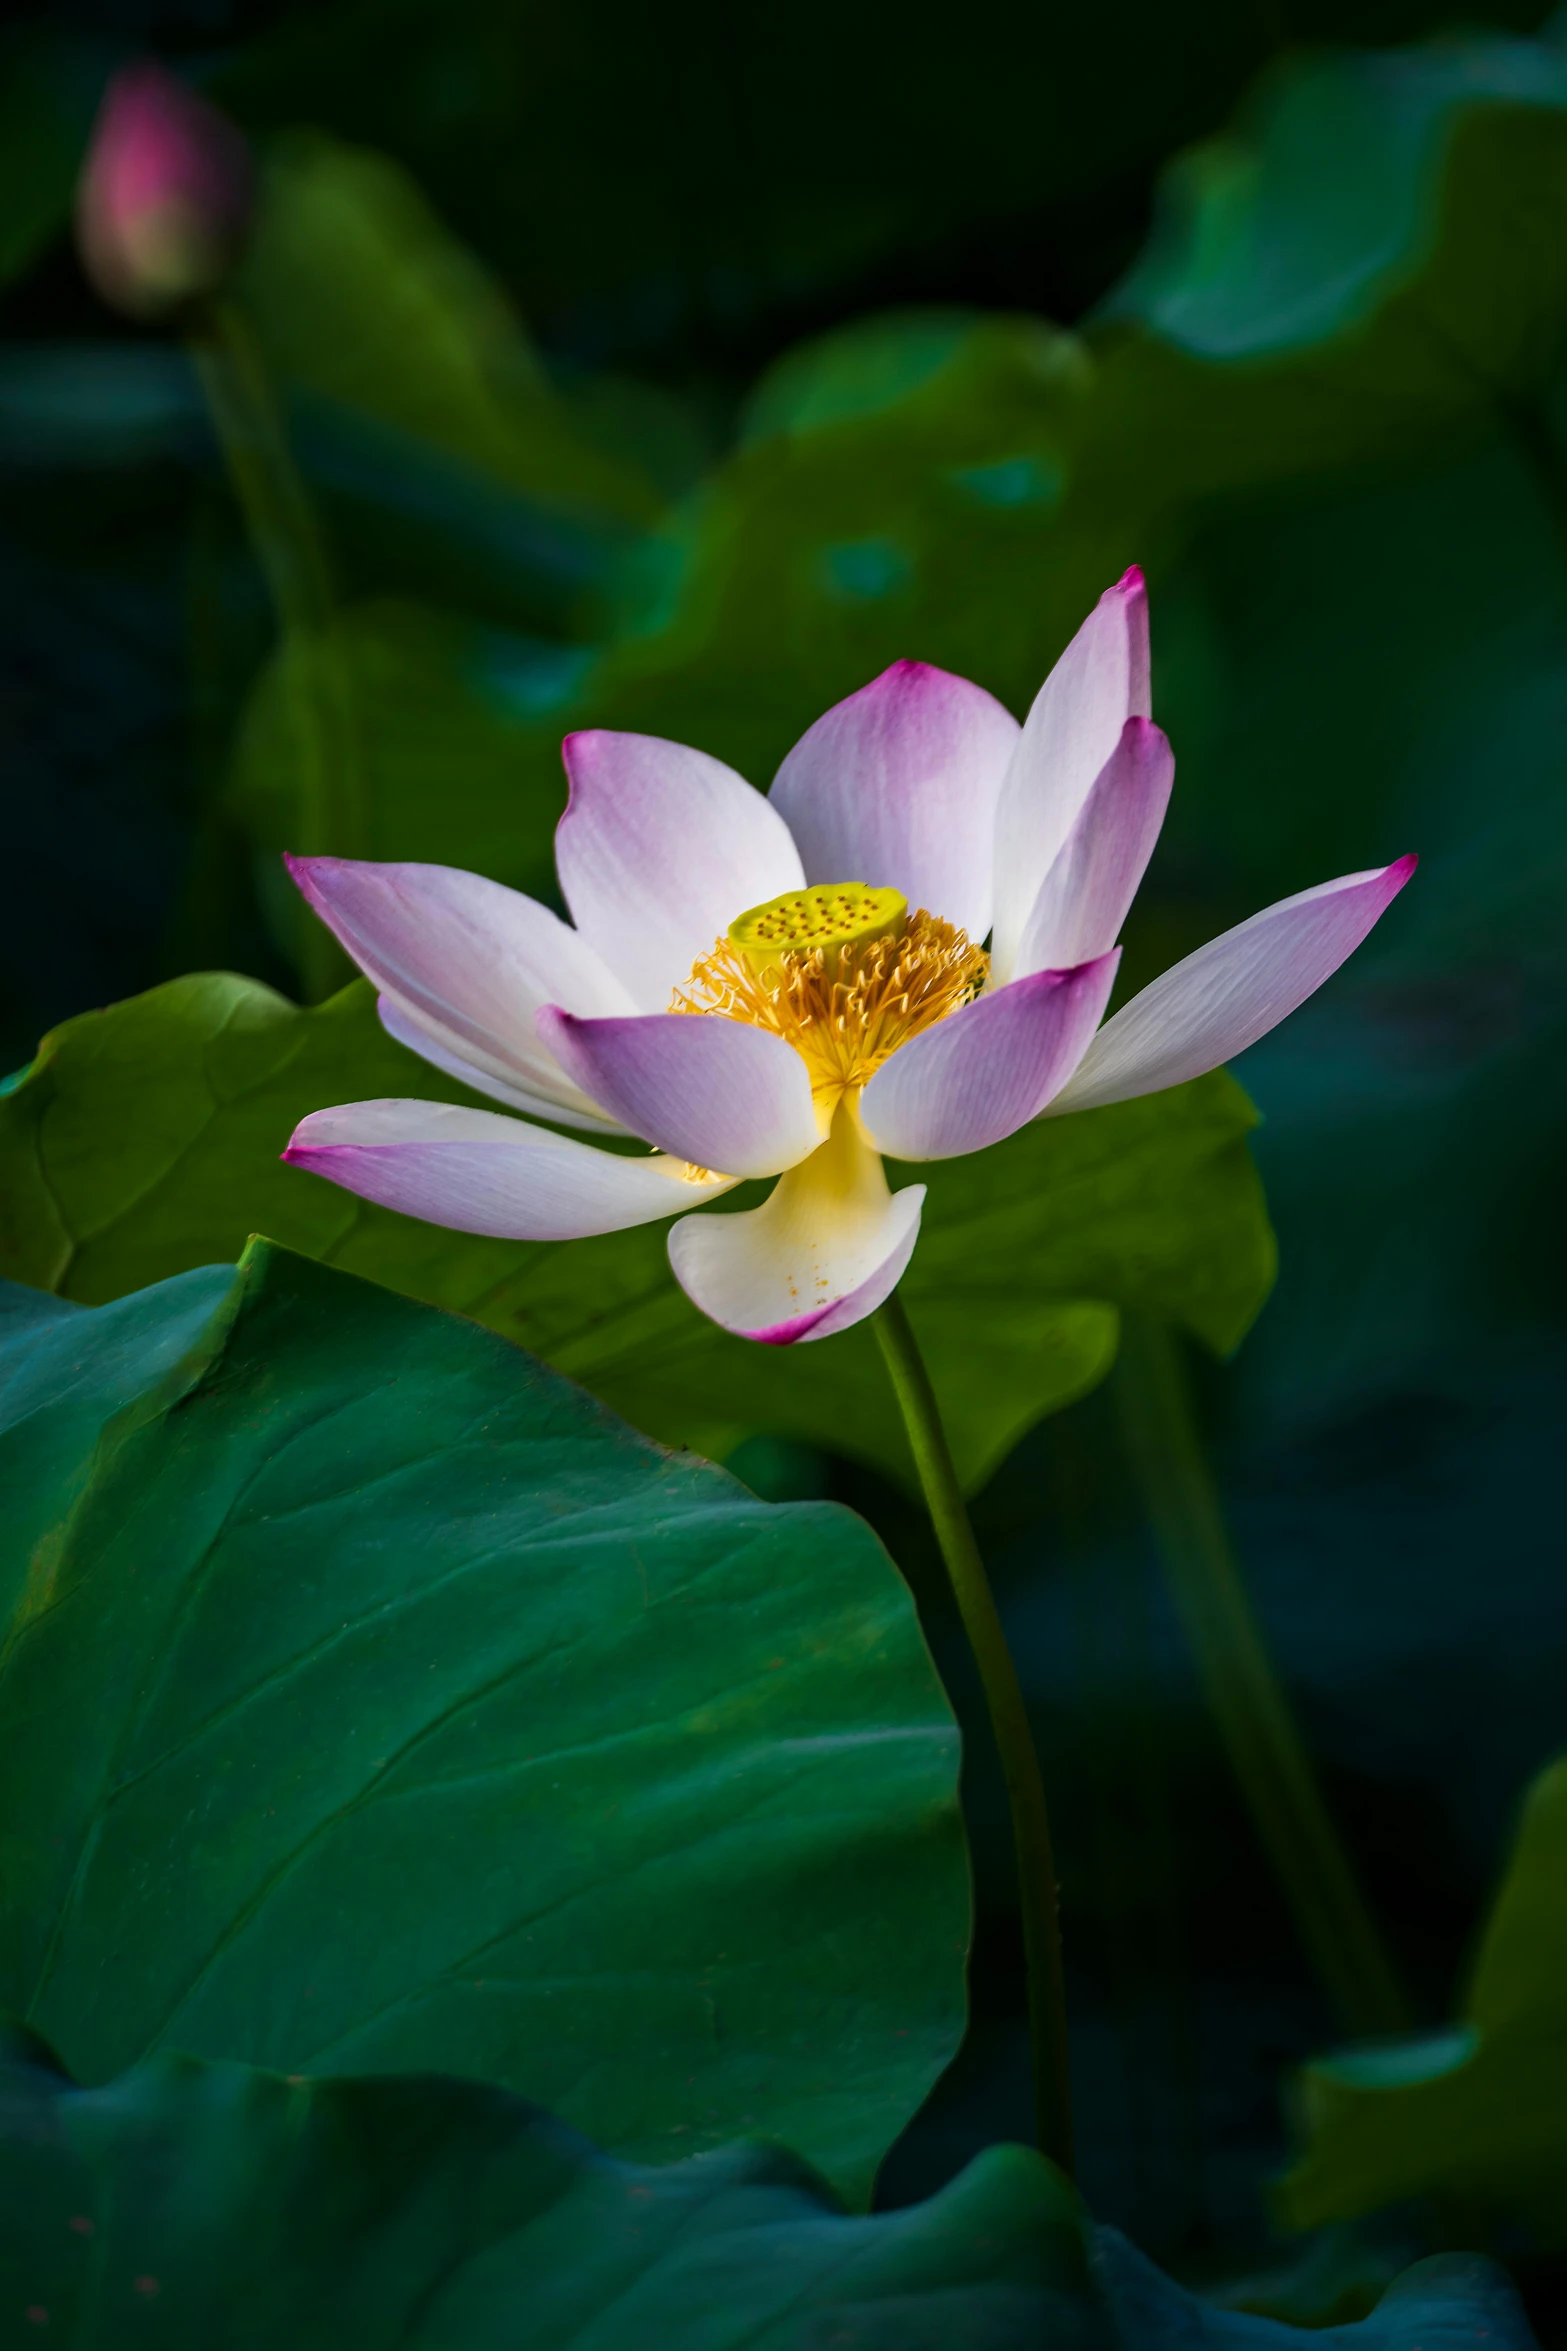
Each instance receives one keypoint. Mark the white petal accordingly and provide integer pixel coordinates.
(897, 787)
(480, 1173)
(466, 963)
(533, 1103)
(1100, 681)
(658, 851)
(715, 1091)
(990, 1067)
(1231, 992)
(1083, 899)
(823, 1251)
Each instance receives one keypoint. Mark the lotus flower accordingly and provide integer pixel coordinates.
(165, 195)
(794, 986)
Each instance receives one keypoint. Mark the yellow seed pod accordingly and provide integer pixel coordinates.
(830, 916)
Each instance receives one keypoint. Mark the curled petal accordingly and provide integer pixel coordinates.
(988, 1069)
(824, 1249)
(464, 963)
(1231, 992)
(897, 787)
(480, 1173)
(1083, 899)
(714, 1091)
(1100, 681)
(658, 851)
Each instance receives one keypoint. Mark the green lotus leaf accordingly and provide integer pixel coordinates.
(229, 2209)
(1477, 2113)
(371, 1699)
(144, 1140)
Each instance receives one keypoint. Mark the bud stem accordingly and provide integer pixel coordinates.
(313, 667)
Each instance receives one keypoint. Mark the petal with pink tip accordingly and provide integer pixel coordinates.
(658, 851)
(717, 1092)
(823, 1251)
(480, 1173)
(1083, 899)
(1100, 681)
(466, 963)
(532, 1104)
(989, 1068)
(1231, 992)
(897, 787)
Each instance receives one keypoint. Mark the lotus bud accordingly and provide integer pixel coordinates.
(165, 195)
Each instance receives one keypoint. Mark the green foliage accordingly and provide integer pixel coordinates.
(372, 1699)
(230, 2209)
(145, 1140)
(959, 487)
(227, 2209)
(1476, 2114)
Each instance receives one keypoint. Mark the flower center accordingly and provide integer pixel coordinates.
(832, 918)
(842, 972)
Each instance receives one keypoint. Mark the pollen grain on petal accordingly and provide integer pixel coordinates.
(844, 1020)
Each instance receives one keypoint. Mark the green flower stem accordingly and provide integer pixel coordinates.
(1009, 1726)
(1249, 1706)
(288, 547)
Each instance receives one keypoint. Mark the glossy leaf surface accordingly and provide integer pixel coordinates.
(372, 1699)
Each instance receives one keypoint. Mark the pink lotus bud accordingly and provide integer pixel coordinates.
(165, 196)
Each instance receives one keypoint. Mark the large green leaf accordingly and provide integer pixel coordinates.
(145, 1140)
(1477, 2113)
(229, 2209)
(215, 2208)
(371, 1698)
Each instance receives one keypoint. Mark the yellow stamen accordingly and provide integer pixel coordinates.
(845, 1004)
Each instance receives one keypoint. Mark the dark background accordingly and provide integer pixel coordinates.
(1353, 657)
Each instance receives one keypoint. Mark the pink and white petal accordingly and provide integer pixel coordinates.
(1231, 992)
(823, 1251)
(442, 1053)
(897, 787)
(658, 851)
(466, 960)
(1100, 681)
(480, 1173)
(717, 1092)
(989, 1068)
(1083, 899)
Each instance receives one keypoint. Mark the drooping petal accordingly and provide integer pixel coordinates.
(532, 1103)
(824, 1249)
(717, 1092)
(1231, 992)
(897, 787)
(1083, 899)
(466, 963)
(988, 1069)
(658, 851)
(480, 1173)
(1100, 681)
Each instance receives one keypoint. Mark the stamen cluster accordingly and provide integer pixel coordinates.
(846, 1009)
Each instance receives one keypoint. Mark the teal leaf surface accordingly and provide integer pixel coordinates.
(371, 1699)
